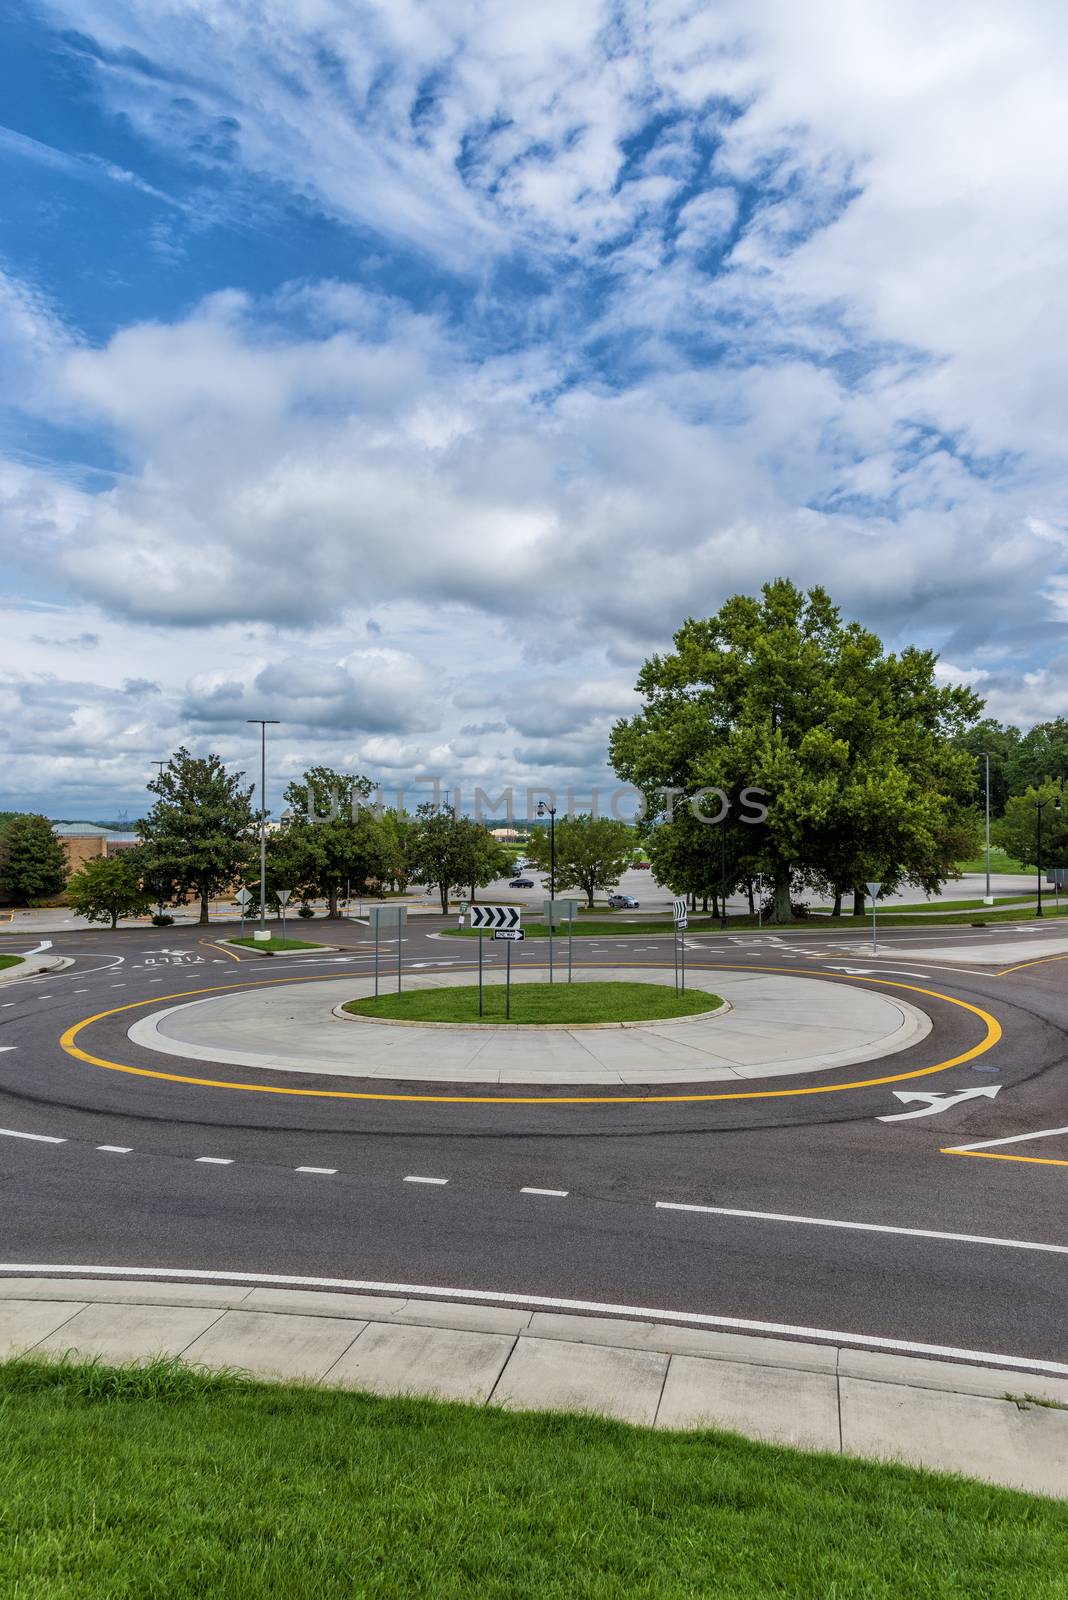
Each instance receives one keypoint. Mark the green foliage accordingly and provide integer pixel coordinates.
(200, 835)
(1017, 831)
(448, 852)
(853, 748)
(592, 853)
(328, 839)
(105, 889)
(1018, 761)
(33, 863)
(541, 1003)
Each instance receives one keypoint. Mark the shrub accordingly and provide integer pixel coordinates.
(162, 920)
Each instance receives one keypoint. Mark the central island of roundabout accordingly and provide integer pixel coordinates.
(619, 1026)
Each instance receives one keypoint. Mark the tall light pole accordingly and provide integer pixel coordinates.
(263, 723)
(989, 898)
(550, 812)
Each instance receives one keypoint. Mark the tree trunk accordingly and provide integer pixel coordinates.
(204, 909)
(331, 903)
(443, 890)
(704, 901)
(858, 902)
(782, 911)
(749, 892)
(474, 886)
(837, 908)
(114, 920)
(715, 902)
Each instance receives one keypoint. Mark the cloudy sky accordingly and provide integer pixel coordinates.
(407, 370)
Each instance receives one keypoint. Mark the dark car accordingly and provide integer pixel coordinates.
(521, 883)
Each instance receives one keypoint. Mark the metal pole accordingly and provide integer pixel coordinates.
(570, 927)
(988, 894)
(508, 981)
(682, 947)
(480, 942)
(1040, 805)
(874, 936)
(400, 945)
(722, 874)
(264, 723)
(675, 952)
(376, 958)
(550, 942)
(552, 853)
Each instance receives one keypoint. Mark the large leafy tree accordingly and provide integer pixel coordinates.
(592, 853)
(33, 863)
(200, 836)
(106, 888)
(329, 839)
(852, 747)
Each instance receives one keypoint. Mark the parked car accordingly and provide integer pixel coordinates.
(640, 866)
(622, 902)
(521, 883)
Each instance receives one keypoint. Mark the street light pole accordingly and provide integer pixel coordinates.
(550, 812)
(723, 872)
(989, 899)
(263, 723)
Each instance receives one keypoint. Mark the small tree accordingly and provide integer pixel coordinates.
(33, 863)
(106, 888)
(451, 852)
(591, 853)
(1017, 831)
(328, 838)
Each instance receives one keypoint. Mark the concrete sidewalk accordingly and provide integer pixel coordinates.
(777, 1025)
(984, 1422)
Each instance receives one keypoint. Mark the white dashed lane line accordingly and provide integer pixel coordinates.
(215, 1161)
(116, 1149)
(38, 1138)
(413, 1179)
(556, 1194)
(323, 1172)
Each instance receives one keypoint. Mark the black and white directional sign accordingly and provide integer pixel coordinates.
(509, 933)
(494, 916)
(678, 907)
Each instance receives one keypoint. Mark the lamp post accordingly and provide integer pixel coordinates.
(1040, 806)
(550, 812)
(988, 899)
(723, 872)
(263, 723)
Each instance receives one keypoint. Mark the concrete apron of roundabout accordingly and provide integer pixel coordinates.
(773, 1026)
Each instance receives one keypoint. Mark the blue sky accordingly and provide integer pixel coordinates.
(409, 371)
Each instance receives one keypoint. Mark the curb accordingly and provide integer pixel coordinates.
(34, 966)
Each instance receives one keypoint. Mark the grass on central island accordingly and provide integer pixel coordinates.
(541, 1002)
(274, 943)
(169, 1483)
(9, 961)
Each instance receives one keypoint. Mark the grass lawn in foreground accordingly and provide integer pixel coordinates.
(273, 944)
(541, 1002)
(171, 1484)
(10, 961)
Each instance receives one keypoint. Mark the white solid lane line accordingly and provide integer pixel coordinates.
(539, 1302)
(866, 1227)
(559, 1194)
(38, 1138)
(1016, 1138)
(425, 1180)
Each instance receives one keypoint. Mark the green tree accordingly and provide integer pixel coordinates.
(200, 836)
(106, 888)
(592, 853)
(1002, 744)
(851, 747)
(328, 838)
(451, 853)
(33, 863)
(1017, 831)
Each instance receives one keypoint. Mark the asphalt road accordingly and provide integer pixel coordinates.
(845, 1221)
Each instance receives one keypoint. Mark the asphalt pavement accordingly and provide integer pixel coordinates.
(796, 1211)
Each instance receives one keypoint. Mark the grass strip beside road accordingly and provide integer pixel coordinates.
(10, 961)
(167, 1482)
(274, 944)
(535, 1003)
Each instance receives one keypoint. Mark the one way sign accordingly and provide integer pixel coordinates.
(494, 916)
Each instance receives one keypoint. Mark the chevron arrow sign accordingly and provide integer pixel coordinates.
(494, 916)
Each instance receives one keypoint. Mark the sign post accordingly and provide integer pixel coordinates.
(560, 908)
(511, 936)
(873, 890)
(681, 922)
(504, 920)
(282, 896)
(241, 899)
(389, 917)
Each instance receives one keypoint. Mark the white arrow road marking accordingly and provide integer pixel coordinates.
(937, 1102)
(38, 949)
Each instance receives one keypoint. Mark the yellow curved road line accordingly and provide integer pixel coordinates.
(991, 1037)
(209, 944)
(1039, 961)
(993, 1155)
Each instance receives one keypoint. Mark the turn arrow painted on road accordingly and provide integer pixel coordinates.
(936, 1102)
